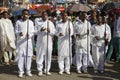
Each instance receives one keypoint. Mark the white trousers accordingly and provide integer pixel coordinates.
(82, 61)
(64, 63)
(90, 60)
(98, 57)
(23, 65)
(47, 60)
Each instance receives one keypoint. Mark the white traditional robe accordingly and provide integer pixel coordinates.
(7, 40)
(82, 44)
(98, 46)
(7, 35)
(24, 26)
(22, 54)
(41, 49)
(64, 45)
(56, 22)
(37, 20)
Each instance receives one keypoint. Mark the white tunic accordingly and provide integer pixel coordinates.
(82, 42)
(63, 41)
(37, 20)
(42, 37)
(99, 45)
(7, 35)
(99, 30)
(24, 27)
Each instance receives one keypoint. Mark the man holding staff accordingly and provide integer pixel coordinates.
(24, 30)
(64, 33)
(45, 31)
(82, 29)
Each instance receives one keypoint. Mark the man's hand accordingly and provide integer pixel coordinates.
(78, 35)
(60, 34)
(106, 42)
(21, 34)
(97, 37)
(27, 36)
(105, 34)
(43, 29)
(87, 32)
(48, 30)
(69, 30)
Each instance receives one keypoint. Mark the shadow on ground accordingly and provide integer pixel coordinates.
(112, 71)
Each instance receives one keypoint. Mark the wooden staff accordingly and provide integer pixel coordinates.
(69, 41)
(105, 41)
(47, 47)
(27, 35)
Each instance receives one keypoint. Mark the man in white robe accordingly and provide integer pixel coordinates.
(55, 39)
(59, 19)
(45, 31)
(24, 30)
(82, 31)
(7, 40)
(101, 33)
(64, 33)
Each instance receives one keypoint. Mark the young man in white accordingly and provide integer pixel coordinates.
(101, 34)
(45, 31)
(64, 33)
(24, 30)
(7, 40)
(82, 31)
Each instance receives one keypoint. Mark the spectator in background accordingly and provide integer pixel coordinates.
(93, 19)
(115, 41)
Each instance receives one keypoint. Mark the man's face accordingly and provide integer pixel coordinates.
(59, 18)
(25, 14)
(84, 15)
(44, 16)
(99, 19)
(94, 14)
(64, 16)
(6, 15)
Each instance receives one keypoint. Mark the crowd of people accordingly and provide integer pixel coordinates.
(86, 40)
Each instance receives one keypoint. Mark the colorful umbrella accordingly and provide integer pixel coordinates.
(78, 7)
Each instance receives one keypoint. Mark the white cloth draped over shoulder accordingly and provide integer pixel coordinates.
(24, 27)
(84, 40)
(100, 30)
(7, 35)
(63, 41)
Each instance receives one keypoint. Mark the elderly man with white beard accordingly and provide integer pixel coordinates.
(45, 31)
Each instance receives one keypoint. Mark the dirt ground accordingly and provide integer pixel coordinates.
(112, 72)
